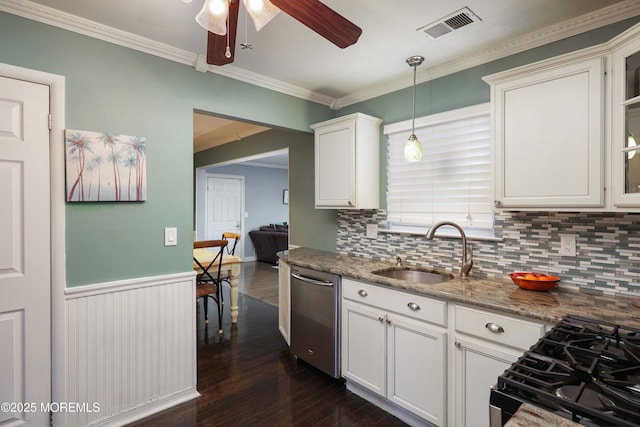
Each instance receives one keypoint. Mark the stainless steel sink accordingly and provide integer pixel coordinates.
(415, 275)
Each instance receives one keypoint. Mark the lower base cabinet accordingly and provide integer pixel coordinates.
(485, 344)
(394, 353)
(477, 367)
(284, 311)
(399, 357)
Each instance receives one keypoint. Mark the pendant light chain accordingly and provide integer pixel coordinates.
(413, 117)
(413, 148)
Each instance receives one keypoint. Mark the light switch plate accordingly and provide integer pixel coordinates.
(170, 236)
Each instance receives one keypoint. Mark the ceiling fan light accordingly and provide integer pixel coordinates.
(413, 149)
(261, 11)
(213, 16)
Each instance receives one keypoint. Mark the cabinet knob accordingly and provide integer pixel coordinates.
(457, 344)
(497, 203)
(388, 321)
(362, 293)
(495, 328)
(413, 306)
(350, 203)
(381, 319)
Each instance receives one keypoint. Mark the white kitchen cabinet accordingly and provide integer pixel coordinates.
(394, 345)
(347, 162)
(548, 124)
(485, 345)
(625, 118)
(284, 307)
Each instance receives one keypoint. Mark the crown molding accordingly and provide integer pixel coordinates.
(47, 15)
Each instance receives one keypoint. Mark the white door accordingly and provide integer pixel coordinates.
(224, 208)
(25, 274)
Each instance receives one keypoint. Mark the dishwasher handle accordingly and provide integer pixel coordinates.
(312, 280)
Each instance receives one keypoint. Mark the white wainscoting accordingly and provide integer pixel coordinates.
(130, 348)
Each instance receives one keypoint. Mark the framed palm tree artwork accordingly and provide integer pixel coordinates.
(103, 167)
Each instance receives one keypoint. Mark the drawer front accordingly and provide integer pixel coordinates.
(414, 306)
(501, 329)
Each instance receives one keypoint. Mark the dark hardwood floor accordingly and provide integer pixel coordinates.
(249, 378)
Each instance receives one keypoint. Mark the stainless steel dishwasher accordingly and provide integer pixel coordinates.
(315, 332)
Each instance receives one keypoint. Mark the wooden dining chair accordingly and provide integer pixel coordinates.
(231, 238)
(209, 277)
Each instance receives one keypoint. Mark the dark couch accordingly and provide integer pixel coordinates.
(269, 240)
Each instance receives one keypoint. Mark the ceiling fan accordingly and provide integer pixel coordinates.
(312, 13)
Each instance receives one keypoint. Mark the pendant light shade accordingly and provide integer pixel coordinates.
(213, 16)
(261, 12)
(413, 147)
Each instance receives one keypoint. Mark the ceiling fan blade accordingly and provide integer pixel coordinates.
(217, 45)
(321, 19)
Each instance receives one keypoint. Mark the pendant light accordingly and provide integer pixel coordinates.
(413, 148)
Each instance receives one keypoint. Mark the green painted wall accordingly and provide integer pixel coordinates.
(115, 89)
(310, 227)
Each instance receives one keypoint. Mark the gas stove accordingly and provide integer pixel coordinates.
(582, 369)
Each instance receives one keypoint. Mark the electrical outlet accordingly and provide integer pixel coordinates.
(567, 245)
(372, 231)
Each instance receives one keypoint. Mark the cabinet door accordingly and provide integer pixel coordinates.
(477, 367)
(284, 312)
(549, 137)
(625, 133)
(363, 346)
(335, 164)
(416, 370)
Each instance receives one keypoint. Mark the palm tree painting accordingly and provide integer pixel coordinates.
(104, 167)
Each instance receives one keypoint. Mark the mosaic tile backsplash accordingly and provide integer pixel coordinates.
(607, 247)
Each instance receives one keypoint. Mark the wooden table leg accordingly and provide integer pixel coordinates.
(234, 272)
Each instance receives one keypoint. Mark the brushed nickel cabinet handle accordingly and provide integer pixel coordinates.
(413, 306)
(495, 328)
(362, 293)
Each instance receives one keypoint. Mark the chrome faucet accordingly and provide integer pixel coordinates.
(466, 263)
(398, 262)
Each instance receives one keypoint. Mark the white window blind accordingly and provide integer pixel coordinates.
(452, 181)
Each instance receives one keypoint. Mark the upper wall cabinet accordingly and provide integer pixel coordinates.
(549, 134)
(347, 162)
(625, 118)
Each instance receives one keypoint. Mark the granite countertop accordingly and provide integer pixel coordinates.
(490, 293)
(531, 416)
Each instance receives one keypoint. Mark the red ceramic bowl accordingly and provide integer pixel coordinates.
(534, 281)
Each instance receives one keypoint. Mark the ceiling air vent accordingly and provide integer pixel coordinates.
(445, 25)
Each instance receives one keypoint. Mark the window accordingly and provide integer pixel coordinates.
(452, 181)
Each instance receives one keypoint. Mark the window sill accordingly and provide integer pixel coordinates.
(445, 233)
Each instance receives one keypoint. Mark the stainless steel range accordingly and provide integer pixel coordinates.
(582, 369)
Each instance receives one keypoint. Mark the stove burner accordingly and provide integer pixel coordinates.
(586, 369)
(584, 396)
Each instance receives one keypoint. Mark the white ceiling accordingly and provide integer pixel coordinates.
(289, 57)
